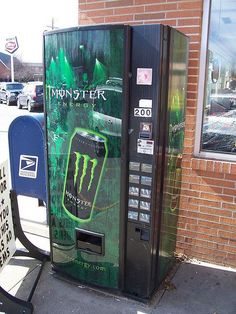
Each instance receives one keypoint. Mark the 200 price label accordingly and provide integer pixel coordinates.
(143, 112)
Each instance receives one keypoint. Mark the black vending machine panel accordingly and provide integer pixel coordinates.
(151, 109)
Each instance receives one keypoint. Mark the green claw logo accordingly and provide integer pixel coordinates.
(86, 160)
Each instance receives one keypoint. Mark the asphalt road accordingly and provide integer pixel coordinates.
(7, 115)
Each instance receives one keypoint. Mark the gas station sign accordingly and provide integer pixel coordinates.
(11, 44)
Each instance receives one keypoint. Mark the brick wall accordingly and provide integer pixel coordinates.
(207, 221)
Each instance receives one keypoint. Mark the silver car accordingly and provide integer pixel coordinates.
(9, 92)
(31, 96)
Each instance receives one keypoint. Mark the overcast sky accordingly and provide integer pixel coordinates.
(27, 19)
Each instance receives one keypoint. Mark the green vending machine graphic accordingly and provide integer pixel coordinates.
(114, 123)
(88, 152)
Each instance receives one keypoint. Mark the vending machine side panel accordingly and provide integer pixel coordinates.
(174, 134)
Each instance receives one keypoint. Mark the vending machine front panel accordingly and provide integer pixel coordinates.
(85, 87)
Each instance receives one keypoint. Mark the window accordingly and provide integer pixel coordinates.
(216, 124)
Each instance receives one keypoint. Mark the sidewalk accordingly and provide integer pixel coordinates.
(194, 289)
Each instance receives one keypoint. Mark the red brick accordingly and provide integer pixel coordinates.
(216, 182)
(102, 13)
(218, 166)
(215, 211)
(191, 103)
(230, 177)
(150, 16)
(118, 3)
(216, 197)
(188, 133)
(229, 206)
(91, 6)
(229, 192)
(226, 167)
(189, 30)
(195, 162)
(147, 1)
(194, 55)
(193, 79)
(192, 87)
(90, 1)
(233, 169)
(181, 14)
(208, 189)
(188, 150)
(227, 235)
(228, 221)
(209, 203)
(231, 260)
(210, 165)
(94, 20)
(161, 7)
(211, 175)
(230, 249)
(191, 5)
(202, 164)
(194, 47)
(118, 19)
(128, 10)
(192, 71)
(232, 243)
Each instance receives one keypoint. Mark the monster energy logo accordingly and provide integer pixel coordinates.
(86, 160)
(76, 94)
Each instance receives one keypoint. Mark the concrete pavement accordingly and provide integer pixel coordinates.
(194, 288)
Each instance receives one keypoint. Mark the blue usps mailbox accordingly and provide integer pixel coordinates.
(27, 157)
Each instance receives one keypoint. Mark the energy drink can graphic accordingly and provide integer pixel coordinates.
(87, 156)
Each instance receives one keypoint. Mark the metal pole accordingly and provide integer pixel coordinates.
(12, 68)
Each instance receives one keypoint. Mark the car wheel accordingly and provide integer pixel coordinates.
(7, 101)
(19, 106)
(30, 109)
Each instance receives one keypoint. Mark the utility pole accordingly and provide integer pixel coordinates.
(52, 26)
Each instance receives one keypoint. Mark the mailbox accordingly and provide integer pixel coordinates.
(27, 159)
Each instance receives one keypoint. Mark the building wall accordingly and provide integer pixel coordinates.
(5, 73)
(207, 221)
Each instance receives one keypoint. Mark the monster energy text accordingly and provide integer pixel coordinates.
(76, 94)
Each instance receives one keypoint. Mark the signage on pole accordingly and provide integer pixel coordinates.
(11, 44)
(7, 238)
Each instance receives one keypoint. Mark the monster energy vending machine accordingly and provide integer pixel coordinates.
(114, 108)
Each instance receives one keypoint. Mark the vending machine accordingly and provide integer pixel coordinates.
(114, 121)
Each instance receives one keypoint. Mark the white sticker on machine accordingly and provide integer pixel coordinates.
(144, 76)
(145, 147)
(145, 103)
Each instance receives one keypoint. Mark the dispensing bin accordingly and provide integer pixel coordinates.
(27, 160)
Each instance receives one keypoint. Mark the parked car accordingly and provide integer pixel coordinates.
(9, 92)
(31, 96)
(219, 132)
